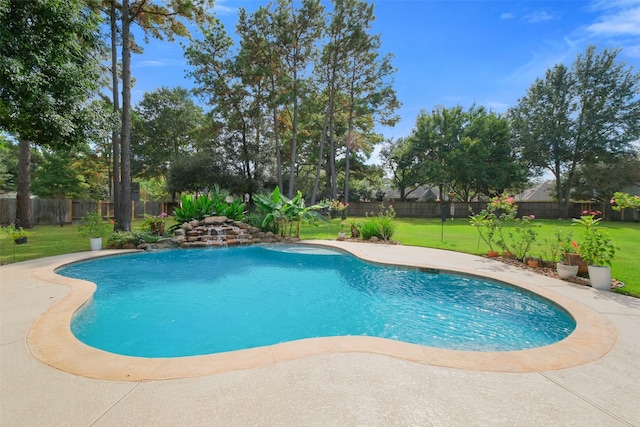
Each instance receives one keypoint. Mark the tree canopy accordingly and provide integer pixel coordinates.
(274, 96)
(578, 116)
(465, 152)
(49, 69)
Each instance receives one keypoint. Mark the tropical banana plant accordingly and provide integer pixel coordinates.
(287, 213)
(272, 206)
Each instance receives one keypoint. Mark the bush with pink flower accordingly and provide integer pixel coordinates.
(597, 247)
(621, 201)
(336, 206)
(489, 221)
(499, 222)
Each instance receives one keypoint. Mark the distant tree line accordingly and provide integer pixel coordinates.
(580, 124)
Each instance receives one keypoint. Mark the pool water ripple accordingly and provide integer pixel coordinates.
(191, 302)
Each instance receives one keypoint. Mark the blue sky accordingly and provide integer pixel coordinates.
(453, 52)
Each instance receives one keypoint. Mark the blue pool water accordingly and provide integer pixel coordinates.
(190, 302)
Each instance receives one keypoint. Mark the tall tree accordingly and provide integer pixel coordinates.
(435, 138)
(159, 21)
(227, 82)
(370, 93)
(297, 32)
(261, 52)
(348, 21)
(576, 115)
(115, 79)
(485, 161)
(49, 67)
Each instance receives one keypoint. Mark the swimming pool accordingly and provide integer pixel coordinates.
(189, 302)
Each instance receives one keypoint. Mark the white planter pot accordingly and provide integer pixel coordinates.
(600, 277)
(96, 243)
(566, 271)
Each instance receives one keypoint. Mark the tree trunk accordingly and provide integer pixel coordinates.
(276, 137)
(115, 140)
(294, 136)
(245, 154)
(349, 139)
(346, 169)
(23, 202)
(125, 196)
(332, 161)
(316, 182)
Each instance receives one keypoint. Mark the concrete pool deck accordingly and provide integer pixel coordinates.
(591, 378)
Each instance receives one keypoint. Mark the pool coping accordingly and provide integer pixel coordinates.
(51, 341)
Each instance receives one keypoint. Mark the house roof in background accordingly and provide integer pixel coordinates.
(537, 193)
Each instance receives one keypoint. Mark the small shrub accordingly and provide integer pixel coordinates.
(93, 226)
(256, 219)
(369, 228)
(155, 224)
(193, 208)
(118, 240)
(380, 226)
(220, 203)
(236, 210)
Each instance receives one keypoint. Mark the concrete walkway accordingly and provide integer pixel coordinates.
(332, 388)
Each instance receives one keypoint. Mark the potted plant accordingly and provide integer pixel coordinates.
(94, 228)
(569, 259)
(597, 250)
(18, 235)
(565, 268)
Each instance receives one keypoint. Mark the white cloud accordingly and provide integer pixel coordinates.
(613, 4)
(220, 8)
(542, 59)
(538, 16)
(507, 15)
(621, 22)
(150, 64)
(156, 63)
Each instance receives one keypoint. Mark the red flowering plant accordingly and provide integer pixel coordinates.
(597, 248)
(568, 248)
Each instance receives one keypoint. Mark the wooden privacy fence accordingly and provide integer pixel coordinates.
(542, 210)
(57, 211)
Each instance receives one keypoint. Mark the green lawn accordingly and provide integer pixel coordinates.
(456, 235)
(50, 240)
